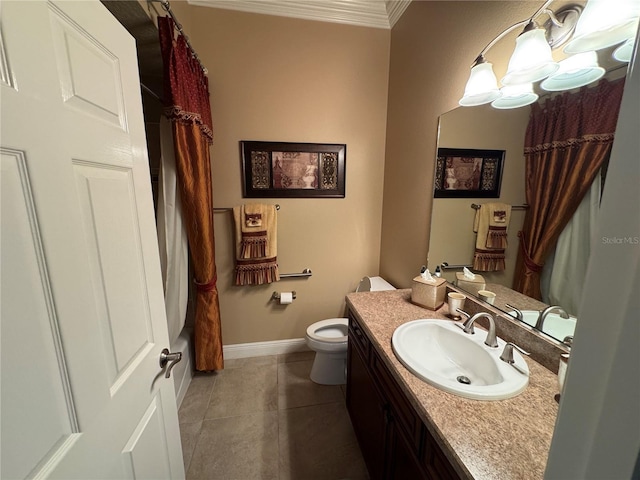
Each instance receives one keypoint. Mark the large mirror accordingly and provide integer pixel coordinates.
(453, 239)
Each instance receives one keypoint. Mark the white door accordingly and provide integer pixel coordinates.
(83, 321)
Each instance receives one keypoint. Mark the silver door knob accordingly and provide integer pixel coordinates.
(170, 358)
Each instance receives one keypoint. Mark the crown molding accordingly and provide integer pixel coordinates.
(366, 13)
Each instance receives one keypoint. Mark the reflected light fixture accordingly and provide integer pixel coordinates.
(602, 23)
(514, 96)
(624, 51)
(575, 71)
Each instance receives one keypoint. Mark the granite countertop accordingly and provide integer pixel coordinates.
(502, 439)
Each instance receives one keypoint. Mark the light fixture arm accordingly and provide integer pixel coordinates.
(530, 21)
(553, 17)
(480, 58)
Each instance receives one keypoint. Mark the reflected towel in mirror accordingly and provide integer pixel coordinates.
(491, 223)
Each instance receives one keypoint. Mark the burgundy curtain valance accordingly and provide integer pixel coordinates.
(186, 88)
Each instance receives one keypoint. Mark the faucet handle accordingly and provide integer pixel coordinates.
(467, 326)
(507, 353)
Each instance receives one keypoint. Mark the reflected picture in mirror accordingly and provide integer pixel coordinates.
(453, 239)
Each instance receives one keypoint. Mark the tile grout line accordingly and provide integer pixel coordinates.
(195, 444)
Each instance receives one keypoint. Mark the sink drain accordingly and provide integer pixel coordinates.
(463, 379)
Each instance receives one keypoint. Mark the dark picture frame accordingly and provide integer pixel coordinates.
(468, 173)
(290, 170)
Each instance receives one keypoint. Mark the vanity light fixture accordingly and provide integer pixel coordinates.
(603, 23)
(531, 60)
(482, 86)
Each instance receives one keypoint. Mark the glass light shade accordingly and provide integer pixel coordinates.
(482, 86)
(575, 71)
(624, 51)
(604, 23)
(531, 60)
(514, 96)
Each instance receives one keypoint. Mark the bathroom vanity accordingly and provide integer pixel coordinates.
(408, 429)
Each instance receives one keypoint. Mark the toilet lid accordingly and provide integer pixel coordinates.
(333, 330)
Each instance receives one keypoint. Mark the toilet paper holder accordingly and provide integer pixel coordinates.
(276, 296)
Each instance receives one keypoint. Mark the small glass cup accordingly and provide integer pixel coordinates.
(487, 295)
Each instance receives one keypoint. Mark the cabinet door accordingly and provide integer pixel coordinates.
(403, 464)
(367, 411)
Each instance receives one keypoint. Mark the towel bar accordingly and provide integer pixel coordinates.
(446, 266)
(524, 206)
(230, 209)
(305, 273)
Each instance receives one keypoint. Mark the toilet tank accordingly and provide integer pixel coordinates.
(374, 284)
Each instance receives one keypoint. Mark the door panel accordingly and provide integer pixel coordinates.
(111, 226)
(96, 88)
(83, 320)
(37, 366)
(141, 451)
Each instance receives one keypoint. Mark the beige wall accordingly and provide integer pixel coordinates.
(451, 238)
(432, 48)
(281, 79)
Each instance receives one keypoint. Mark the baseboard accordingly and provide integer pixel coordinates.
(261, 349)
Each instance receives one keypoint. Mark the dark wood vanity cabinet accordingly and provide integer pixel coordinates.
(394, 441)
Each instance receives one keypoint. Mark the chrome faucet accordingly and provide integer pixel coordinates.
(543, 315)
(519, 315)
(467, 326)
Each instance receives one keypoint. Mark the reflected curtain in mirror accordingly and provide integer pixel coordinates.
(186, 96)
(568, 139)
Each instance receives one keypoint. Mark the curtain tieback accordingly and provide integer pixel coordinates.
(528, 261)
(206, 287)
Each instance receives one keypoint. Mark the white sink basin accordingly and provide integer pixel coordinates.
(440, 353)
(554, 325)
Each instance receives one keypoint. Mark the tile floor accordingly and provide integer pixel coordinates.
(263, 418)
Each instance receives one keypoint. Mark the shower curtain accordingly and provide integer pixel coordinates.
(565, 268)
(172, 236)
(567, 141)
(186, 97)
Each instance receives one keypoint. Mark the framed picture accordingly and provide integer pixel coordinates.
(466, 173)
(283, 169)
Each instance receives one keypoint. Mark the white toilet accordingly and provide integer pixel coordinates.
(328, 338)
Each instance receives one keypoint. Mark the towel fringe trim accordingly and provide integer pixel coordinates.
(497, 238)
(253, 245)
(257, 272)
(486, 261)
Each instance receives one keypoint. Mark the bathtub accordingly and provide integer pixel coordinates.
(182, 372)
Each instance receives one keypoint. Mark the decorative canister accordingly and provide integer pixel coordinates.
(428, 294)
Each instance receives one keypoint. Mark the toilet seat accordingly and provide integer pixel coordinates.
(333, 331)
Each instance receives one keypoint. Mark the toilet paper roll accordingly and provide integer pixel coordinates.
(286, 298)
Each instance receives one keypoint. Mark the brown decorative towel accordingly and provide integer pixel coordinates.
(256, 244)
(491, 223)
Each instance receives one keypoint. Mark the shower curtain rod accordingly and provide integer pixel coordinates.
(167, 7)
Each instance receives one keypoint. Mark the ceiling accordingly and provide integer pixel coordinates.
(366, 13)
(132, 15)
